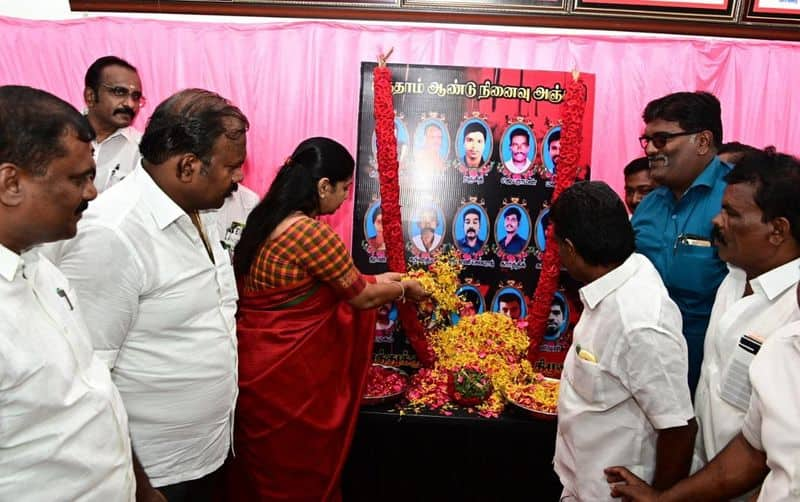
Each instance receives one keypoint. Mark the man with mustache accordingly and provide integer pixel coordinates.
(512, 243)
(520, 146)
(428, 239)
(747, 434)
(757, 233)
(471, 242)
(113, 96)
(673, 224)
(554, 148)
(159, 292)
(63, 427)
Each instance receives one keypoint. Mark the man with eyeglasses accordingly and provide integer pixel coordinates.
(682, 134)
(113, 96)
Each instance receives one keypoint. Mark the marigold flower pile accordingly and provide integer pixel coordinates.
(490, 342)
(541, 395)
(441, 281)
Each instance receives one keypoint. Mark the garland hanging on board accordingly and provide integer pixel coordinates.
(388, 167)
(568, 171)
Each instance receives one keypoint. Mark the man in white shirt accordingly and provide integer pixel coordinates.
(63, 428)
(428, 239)
(113, 96)
(765, 449)
(159, 292)
(520, 146)
(758, 234)
(624, 399)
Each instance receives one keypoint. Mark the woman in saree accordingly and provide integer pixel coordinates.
(305, 327)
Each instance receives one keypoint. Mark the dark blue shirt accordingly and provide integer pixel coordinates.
(667, 232)
(464, 246)
(515, 246)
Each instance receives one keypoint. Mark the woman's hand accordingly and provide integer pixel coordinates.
(414, 290)
(388, 277)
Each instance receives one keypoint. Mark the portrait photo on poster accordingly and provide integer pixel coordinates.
(373, 228)
(540, 229)
(551, 149)
(518, 148)
(471, 228)
(431, 145)
(385, 323)
(403, 143)
(512, 229)
(511, 302)
(472, 302)
(474, 143)
(558, 320)
(427, 228)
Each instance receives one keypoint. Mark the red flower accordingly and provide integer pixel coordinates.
(390, 204)
(571, 136)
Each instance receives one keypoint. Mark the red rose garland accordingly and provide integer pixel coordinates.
(390, 203)
(571, 134)
(387, 169)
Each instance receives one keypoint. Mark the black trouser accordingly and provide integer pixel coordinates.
(196, 490)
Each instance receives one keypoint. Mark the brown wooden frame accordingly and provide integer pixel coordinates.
(646, 9)
(515, 7)
(752, 16)
(441, 15)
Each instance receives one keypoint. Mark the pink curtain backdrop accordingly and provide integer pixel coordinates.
(301, 79)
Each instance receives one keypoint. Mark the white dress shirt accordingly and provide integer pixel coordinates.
(161, 315)
(63, 428)
(513, 167)
(232, 216)
(609, 412)
(773, 304)
(417, 241)
(116, 157)
(772, 422)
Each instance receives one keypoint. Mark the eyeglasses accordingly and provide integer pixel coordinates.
(660, 139)
(119, 91)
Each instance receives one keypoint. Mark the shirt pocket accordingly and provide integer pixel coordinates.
(23, 381)
(596, 386)
(587, 379)
(695, 269)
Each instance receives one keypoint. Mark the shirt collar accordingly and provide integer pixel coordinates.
(162, 207)
(715, 170)
(125, 132)
(10, 263)
(776, 281)
(594, 292)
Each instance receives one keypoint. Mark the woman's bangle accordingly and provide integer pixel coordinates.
(402, 297)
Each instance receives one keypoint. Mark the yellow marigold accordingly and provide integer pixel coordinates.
(441, 281)
(490, 342)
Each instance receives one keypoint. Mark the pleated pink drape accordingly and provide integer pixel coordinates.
(295, 80)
